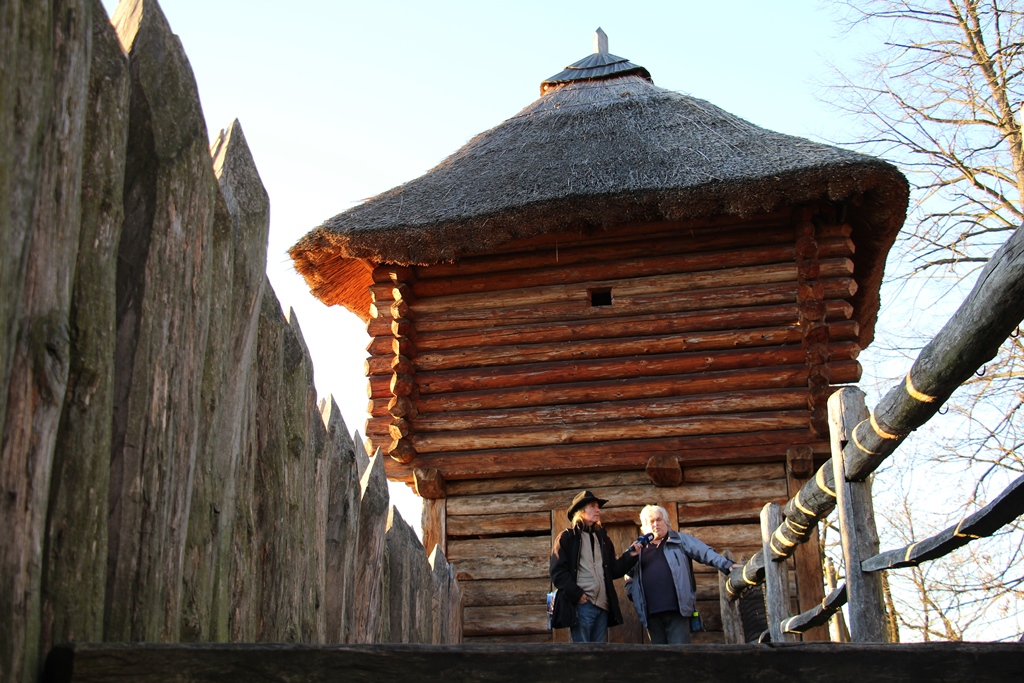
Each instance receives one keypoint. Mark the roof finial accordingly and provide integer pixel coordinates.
(600, 41)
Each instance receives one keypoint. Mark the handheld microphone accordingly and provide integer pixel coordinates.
(645, 539)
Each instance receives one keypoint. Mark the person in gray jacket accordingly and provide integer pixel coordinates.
(661, 585)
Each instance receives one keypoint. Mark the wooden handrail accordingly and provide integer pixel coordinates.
(985, 522)
(989, 314)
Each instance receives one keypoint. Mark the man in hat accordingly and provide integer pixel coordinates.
(583, 565)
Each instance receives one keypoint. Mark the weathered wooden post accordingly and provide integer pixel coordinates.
(776, 575)
(732, 621)
(866, 607)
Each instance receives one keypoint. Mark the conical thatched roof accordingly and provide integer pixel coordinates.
(593, 153)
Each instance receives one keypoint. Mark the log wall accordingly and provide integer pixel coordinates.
(568, 362)
(167, 473)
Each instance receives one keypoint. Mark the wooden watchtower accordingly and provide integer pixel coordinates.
(620, 288)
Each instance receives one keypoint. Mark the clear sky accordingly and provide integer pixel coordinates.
(343, 100)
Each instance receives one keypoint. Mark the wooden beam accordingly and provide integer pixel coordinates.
(410, 663)
(664, 470)
(819, 615)
(1008, 506)
(429, 483)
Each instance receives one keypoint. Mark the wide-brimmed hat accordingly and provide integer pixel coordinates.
(581, 499)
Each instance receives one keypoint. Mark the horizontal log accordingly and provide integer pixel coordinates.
(626, 389)
(498, 525)
(402, 327)
(779, 272)
(389, 273)
(380, 292)
(818, 615)
(703, 450)
(488, 356)
(378, 326)
(724, 511)
(717, 473)
(506, 619)
(1008, 506)
(377, 426)
(721, 536)
(539, 375)
(623, 430)
(399, 428)
(530, 661)
(402, 406)
(501, 592)
(628, 241)
(653, 260)
(377, 407)
(762, 294)
(617, 496)
(554, 330)
(378, 365)
(400, 309)
(673, 406)
(478, 357)
(545, 482)
(500, 558)
(382, 345)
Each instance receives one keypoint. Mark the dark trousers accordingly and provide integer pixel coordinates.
(668, 628)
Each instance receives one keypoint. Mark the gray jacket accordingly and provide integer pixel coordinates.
(679, 550)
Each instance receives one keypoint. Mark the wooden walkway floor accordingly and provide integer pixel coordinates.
(561, 663)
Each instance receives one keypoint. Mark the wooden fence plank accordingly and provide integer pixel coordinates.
(74, 579)
(163, 281)
(373, 516)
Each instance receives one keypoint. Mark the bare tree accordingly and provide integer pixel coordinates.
(942, 100)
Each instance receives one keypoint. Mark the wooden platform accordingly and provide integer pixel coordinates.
(931, 662)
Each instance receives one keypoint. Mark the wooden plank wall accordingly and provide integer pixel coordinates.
(563, 363)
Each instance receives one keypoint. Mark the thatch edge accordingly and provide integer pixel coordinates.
(875, 193)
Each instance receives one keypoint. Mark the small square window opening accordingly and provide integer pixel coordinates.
(601, 296)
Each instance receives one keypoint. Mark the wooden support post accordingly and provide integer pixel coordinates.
(732, 621)
(434, 523)
(776, 575)
(807, 556)
(866, 606)
(429, 483)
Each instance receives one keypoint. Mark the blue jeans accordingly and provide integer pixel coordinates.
(591, 624)
(668, 628)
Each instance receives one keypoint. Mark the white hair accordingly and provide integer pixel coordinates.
(649, 512)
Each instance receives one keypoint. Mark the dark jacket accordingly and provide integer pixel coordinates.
(564, 565)
(679, 550)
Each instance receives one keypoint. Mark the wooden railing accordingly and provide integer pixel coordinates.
(861, 440)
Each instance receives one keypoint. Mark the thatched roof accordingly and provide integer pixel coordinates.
(592, 153)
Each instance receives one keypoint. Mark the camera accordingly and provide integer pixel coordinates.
(645, 539)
